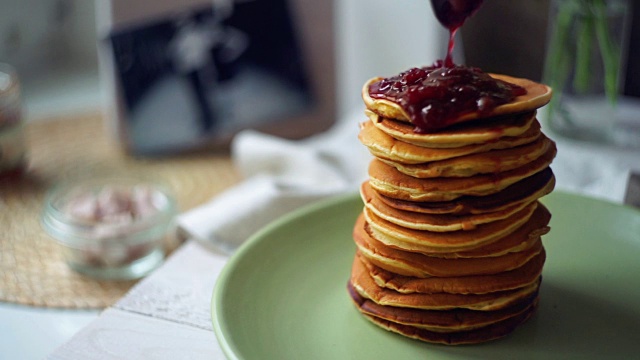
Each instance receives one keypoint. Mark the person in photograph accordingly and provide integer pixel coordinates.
(200, 43)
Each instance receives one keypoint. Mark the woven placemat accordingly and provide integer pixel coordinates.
(32, 270)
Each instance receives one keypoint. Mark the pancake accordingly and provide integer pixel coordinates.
(457, 136)
(511, 240)
(418, 265)
(364, 284)
(431, 222)
(431, 266)
(439, 242)
(390, 182)
(384, 146)
(487, 333)
(439, 320)
(516, 278)
(537, 96)
(423, 266)
(524, 191)
(490, 162)
(519, 240)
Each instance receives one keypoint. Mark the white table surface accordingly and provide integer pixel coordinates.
(166, 316)
(32, 333)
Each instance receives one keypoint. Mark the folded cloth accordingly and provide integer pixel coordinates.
(280, 176)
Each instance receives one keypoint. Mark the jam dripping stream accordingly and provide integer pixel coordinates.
(452, 14)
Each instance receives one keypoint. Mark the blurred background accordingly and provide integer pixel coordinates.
(62, 49)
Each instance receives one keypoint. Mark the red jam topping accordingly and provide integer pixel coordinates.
(436, 96)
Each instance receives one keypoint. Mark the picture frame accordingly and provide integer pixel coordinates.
(269, 67)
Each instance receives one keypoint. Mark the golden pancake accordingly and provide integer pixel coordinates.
(457, 136)
(479, 283)
(382, 145)
(423, 266)
(443, 242)
(490, 162)
(390, 182)
(367, 287)
(524, 191)
(537, 96)
(439, 320)
(512, 240)
(420, 266)
(519, 240)
(431, 222)
(487, 333)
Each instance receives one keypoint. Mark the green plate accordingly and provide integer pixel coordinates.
(283, 294)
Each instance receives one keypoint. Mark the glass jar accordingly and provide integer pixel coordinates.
(12, 141)
(111, 228)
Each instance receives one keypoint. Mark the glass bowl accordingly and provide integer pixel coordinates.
(111, 228)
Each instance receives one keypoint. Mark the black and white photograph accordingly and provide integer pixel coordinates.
(208, 72)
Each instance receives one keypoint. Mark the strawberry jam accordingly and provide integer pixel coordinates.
(435, 97)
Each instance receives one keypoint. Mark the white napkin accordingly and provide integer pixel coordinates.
(280, 176)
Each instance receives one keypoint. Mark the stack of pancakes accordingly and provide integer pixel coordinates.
(448, 243)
